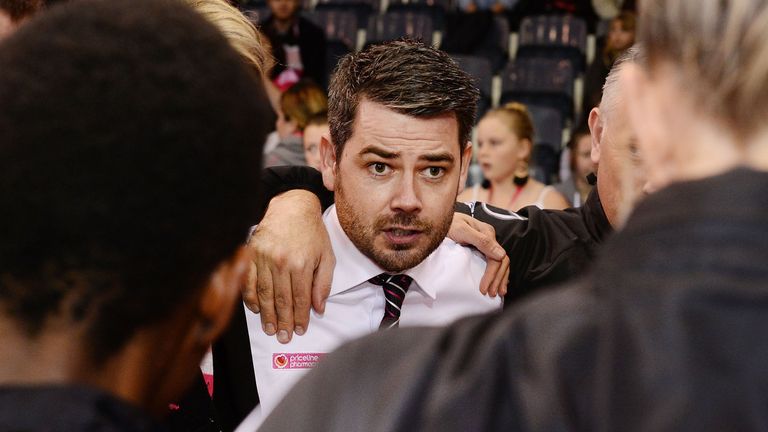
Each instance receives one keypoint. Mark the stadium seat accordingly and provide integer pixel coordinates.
(362, 8)
(480, 69)
(338, 25)
(548, 124)
(540, 81)
(397, 24)
(545, 163)
(554, 36)
(334, 50)
(436, 8)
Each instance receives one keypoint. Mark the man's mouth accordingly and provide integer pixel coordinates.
(401, 235)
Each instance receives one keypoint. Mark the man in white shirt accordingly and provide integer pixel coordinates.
(400, 117)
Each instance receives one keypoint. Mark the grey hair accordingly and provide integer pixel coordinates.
(719, 49)
(610, 100)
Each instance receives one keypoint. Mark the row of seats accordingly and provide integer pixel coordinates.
(548, 56)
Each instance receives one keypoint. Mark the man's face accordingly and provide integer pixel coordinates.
(621, 179)
(396, 183)
(311, 140)
(283, 10)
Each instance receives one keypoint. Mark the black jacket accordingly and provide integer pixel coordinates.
(666, 334)
(544, 246)
(69, 408)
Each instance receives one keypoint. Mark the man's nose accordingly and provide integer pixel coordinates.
(406, 196)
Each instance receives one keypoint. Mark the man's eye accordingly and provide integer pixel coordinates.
(434, 172)
(378, 168)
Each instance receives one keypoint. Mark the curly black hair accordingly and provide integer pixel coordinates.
(130, 145)
(20, 9)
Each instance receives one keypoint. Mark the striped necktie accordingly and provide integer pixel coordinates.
(395, 287)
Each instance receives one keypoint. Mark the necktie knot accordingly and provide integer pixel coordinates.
(395, 287)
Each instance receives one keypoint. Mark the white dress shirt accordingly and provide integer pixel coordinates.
(445, 287)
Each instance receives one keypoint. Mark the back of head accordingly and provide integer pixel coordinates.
(302, 101)
(720, 52)
(128, 131)
(405, 76)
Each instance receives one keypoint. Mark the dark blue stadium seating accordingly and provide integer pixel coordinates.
(480, 69)
(396, 24)
(540, 81)
(554, 36)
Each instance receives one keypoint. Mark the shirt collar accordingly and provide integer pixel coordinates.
(353, 268)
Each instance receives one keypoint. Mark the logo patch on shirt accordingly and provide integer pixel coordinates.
(295, 360)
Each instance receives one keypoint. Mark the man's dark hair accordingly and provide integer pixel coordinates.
(129, 152)
(20, 9)
(406, 76)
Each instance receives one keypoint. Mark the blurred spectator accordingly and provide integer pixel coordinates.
(298, 45)
(13, 12)
(608, 9)
(576, 187)
(297, 105)
(495, 6)
(621, 36)
(504, 145)
(580, 8)
(316, 129)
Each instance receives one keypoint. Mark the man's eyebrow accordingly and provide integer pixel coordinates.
(380, 152)
(438, 157)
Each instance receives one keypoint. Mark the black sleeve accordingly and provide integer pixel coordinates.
(545, 247)
(276, 180)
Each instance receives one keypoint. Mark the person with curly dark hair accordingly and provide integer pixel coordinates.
(126, 185)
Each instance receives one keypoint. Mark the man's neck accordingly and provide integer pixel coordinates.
(51, 357)
(57, 357)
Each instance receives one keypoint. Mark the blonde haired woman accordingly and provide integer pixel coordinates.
(504, 145)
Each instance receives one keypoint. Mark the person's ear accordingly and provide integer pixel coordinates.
(328, 163)
(466, 159)
(218, 298)
(596, 134)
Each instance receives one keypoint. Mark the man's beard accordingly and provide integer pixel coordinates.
(397, 257)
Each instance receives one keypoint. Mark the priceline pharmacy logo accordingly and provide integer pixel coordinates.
(295, 360)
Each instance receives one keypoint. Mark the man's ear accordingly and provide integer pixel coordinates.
(219, 296)
(466, 159)
(328, 162)
(596, 134)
